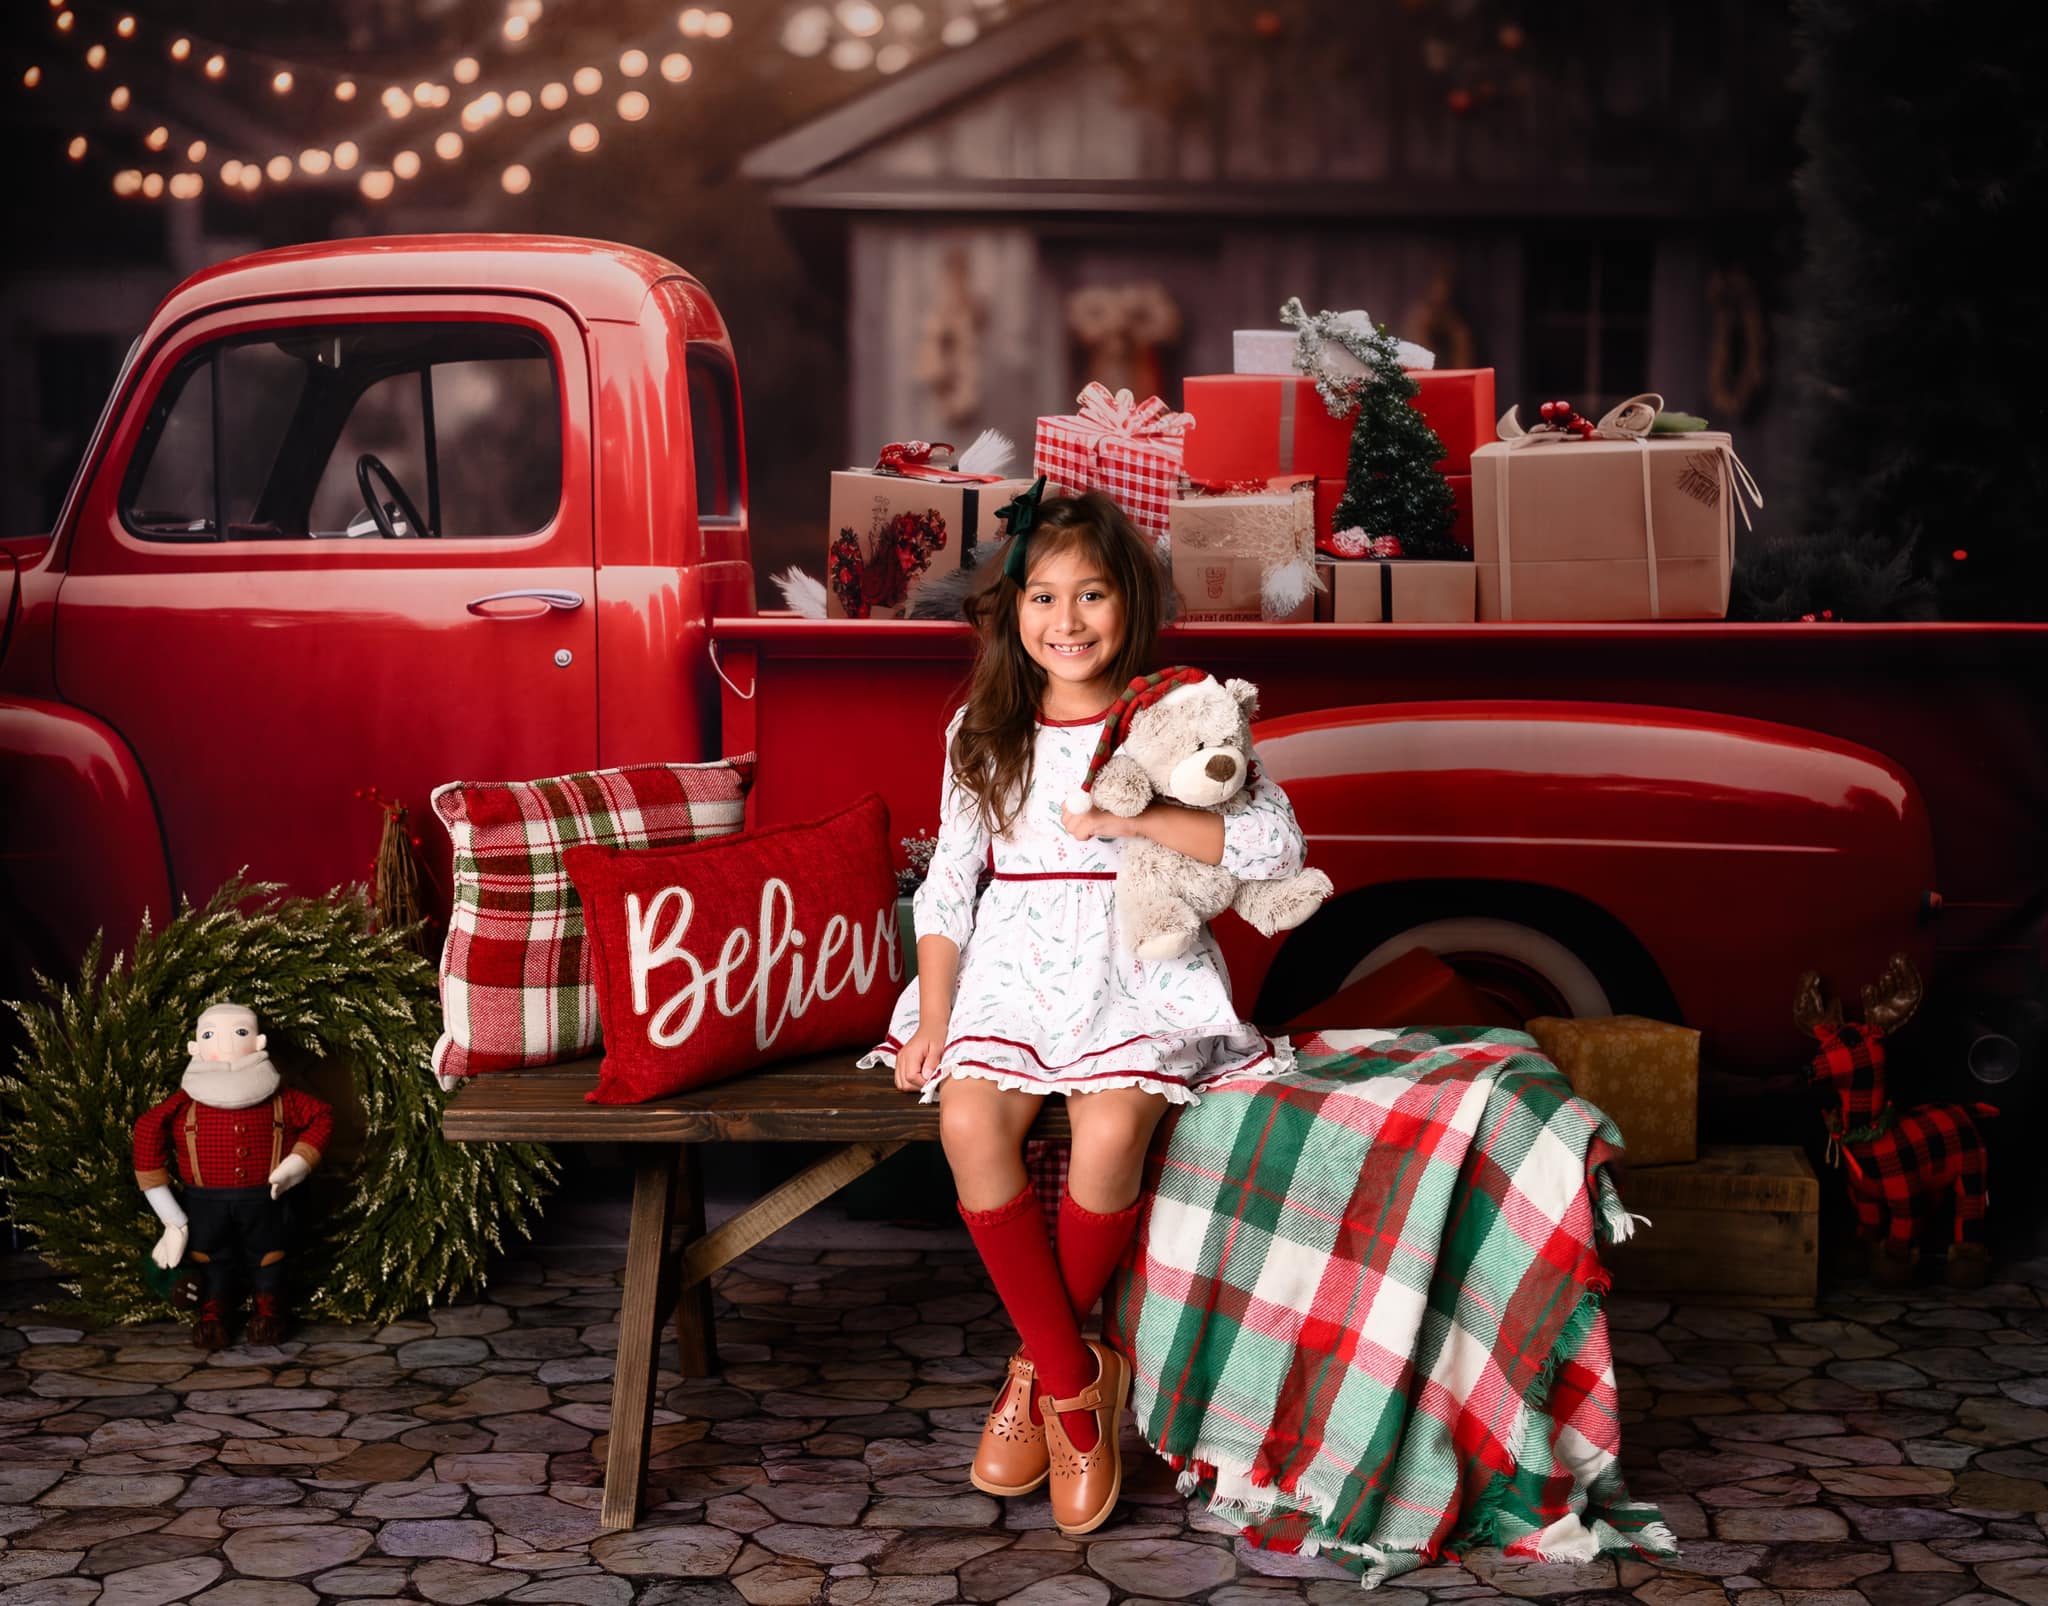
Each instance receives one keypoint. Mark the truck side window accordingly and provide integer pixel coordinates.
(715, 433)
(260, 437)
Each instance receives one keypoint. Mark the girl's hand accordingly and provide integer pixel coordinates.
(918, 1059)
(1084, 824)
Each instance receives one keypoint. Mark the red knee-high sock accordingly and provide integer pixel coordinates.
(1090, 1245)
(1018, 1252)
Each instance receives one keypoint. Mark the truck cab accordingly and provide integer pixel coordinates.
(364, 515)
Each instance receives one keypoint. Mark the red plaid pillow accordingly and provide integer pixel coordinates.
(725, 955)
(516, 982)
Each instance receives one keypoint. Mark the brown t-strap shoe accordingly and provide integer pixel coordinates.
(1085, 1487)
(1012, 1457)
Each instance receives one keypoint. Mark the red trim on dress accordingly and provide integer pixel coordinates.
(1061, 724)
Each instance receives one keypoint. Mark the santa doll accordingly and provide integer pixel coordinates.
(239, 1142)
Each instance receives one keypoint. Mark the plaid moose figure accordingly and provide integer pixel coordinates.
(1897, 1163)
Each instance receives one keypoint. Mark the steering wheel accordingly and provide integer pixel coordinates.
(369, 469)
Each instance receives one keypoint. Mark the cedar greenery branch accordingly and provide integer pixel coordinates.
(418, 1215)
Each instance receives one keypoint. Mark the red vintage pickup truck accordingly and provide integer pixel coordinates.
(385, 513)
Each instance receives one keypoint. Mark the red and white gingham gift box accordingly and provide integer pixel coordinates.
(517, 984)
(1129, 450)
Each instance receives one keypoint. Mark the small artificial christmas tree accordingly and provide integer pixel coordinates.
(1391, 486)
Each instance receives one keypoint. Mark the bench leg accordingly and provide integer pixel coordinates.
(696, 1340)
(625, 1468)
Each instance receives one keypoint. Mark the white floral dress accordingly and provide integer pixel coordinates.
(1045, 1000)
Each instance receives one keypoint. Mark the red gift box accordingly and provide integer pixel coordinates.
(1417, 989)
(1258, 426)
(1330, 492)
(1129, 450)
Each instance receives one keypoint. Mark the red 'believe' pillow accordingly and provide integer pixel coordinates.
(731, 953)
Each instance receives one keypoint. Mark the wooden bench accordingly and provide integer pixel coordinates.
(669, 1255)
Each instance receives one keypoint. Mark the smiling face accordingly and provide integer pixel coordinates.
(226, 1032)
(1071, 622)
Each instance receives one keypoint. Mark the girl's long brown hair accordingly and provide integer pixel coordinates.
(993, 749)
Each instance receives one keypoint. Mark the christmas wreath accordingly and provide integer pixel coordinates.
(416, 1214)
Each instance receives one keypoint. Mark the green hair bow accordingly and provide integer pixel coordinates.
(1020, 513)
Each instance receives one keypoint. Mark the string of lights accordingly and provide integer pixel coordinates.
(503, 95)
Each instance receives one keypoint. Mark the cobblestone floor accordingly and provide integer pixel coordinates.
(1892, 1451)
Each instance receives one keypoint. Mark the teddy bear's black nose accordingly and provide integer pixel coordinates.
(1221, 767)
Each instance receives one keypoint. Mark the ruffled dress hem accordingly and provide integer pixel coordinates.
(1001, 1062)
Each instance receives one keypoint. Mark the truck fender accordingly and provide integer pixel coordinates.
(81, 847)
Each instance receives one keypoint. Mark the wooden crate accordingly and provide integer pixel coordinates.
(1739, 1225)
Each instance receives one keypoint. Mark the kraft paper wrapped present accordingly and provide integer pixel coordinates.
(1395, 591)
(894, 524)
(1624, 525)
(1644, 1073)
(1329, 492)
(1130, 450)
(1228, 539)
(1255, 426)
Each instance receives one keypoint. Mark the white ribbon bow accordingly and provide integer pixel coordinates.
(1119, 417)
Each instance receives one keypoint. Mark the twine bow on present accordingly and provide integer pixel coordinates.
(1118, 422)
(1631, 420)
(912, 460)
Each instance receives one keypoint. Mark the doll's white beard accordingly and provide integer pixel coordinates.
(230, 1084)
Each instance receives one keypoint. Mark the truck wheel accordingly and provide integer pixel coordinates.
(1529, 971)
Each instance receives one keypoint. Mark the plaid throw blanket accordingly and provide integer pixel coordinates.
(1363, 1309)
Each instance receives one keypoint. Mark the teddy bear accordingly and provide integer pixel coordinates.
(1182, 735)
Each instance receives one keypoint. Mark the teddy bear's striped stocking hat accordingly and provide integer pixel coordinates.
(1142, 692)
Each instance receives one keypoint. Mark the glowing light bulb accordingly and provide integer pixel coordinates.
(691, 22)
(807, 32)
(675, 66)
(281, 83)
(406, 164)
(587, 80)
(315, 161)
(152, 185)
(65, 21)
(76, 149)
(345, 90)
(32, 77)
(157, 138)
(465, 70)
(906, 19)
(185, 186)
(632, 105)
(892, 58)
(231, 172)
(861, 18)
(516, 179)
(128, 182)
(125, 27)
(852, 55)
(180, 49)
(119, 98)
(216, 66)
(583, 137)
(633, 63)
(516, 29)
(960, 31)
(423, 92)
(96, 57)
(376, 184)
(396, 102)
(195, 153)
(554, 96)
(518, 103)
(529, 9)
(448, 146)
(346, 155)
(252, 175)
(278, 169)
(717, 25)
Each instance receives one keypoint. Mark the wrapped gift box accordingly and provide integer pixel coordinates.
(1272, 351)
(1605, 529)
(888, 532)
(1224, 542)
(1739, 1225)
(1258, 425)
(1643, 1073)
(1415, 989)
(1129, 450)
(1329, 492)
(1394, 591)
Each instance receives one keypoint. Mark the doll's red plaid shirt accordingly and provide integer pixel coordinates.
(216, 1148)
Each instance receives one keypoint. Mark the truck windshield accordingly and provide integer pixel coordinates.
(454, 428)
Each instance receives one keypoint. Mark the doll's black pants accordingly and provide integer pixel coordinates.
(240, 1237)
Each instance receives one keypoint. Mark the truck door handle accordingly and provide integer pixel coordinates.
(550, 602)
